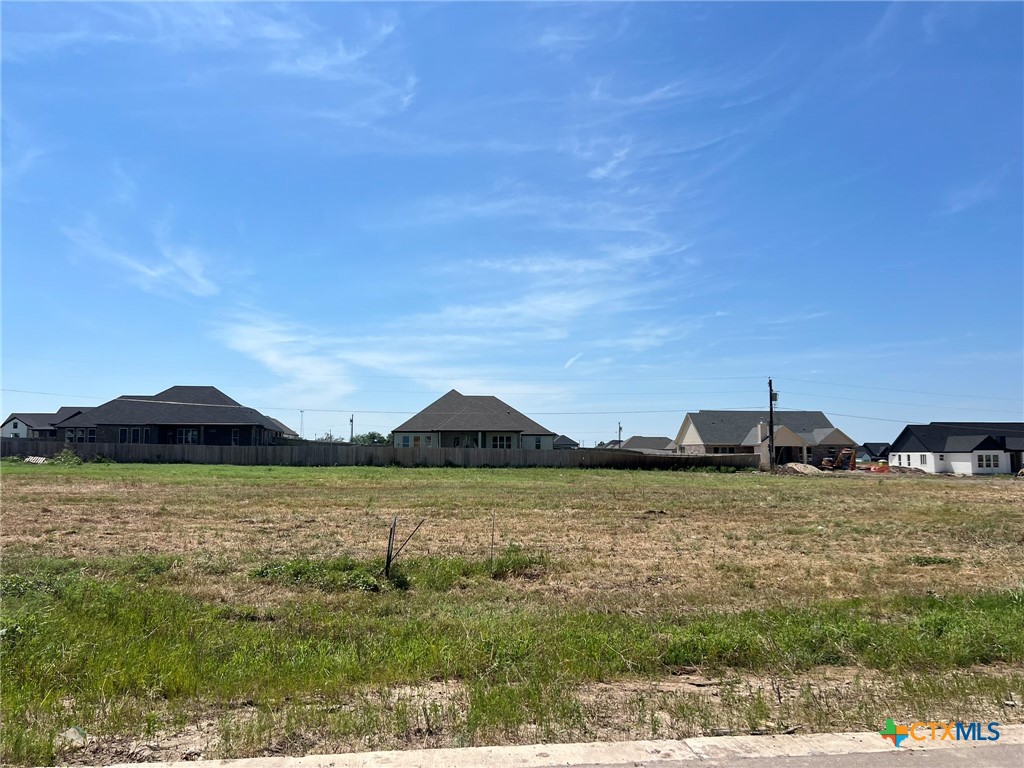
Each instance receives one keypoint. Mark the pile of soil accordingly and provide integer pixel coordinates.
(796, 468)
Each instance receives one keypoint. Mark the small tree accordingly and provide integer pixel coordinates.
(371, 438)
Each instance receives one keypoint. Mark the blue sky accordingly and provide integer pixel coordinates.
(598, 212)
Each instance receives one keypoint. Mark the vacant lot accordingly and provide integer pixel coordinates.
(170, 611)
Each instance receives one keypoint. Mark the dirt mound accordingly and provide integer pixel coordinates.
(796, 468)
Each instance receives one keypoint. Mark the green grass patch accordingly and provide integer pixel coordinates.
(340, 574)
(117, 646)
(439, 574)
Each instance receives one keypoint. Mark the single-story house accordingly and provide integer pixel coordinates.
(456, 420)
(651, 445)
(613, 445)
(38, 426)
(563, 443)
(187, 415)
(286, 431)
(869, 452)
(967, 448)
(802, 436)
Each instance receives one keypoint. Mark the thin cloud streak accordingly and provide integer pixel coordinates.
(965, 198)
(173, 269)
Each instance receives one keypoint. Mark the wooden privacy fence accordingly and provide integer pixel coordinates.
(331, 455)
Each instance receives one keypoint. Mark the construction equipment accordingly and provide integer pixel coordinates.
(847, 459)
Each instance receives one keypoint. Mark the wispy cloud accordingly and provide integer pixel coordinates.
(162, 267)
(964, 198)
(563, 40)
(125, 188)
(262, 39)
(883, 26)
(545, 210)
(22, 152)
(309, 372)
(608, 168)
(571, 360)
(316, 367)
(332, 61)
(722, 85)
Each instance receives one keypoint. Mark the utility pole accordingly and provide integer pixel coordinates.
(620, 435)
(351, 427)
(302, 423)
(772, 397)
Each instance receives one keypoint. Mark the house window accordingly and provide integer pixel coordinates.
(988, 461)
(145, 435)
(415, 441)
(122, 435)
(187, 436)
(942, 457)
(81, 434)
(136, 434)
(430, 439)
(15, 425)
(536, 443)
(234, 437)
(501, 441)
(92, 435)
(923, 459)
(405, 441)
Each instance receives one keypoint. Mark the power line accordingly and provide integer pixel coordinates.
(894, 402)
(51, 394)
(536, 413)
(904, 422)
(904, 391)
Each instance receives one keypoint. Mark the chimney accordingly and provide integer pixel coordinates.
(762, 431)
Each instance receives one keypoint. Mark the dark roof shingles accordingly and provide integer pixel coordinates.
(732, 427)
(455, 412)
(160, 409)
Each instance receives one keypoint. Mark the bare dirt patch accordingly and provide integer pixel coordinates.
(642, 540)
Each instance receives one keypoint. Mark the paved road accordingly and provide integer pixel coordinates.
(816, 750)
(991, 756)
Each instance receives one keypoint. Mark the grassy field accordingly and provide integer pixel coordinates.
(170, 611)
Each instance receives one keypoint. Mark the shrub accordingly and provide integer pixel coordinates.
(67, 458)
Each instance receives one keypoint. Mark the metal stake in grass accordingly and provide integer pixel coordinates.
(391, 548)
(392, 555)
(494, 515)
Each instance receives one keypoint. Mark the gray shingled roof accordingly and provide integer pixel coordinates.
(32, 420)
(956, 436)
(46, 420)
(732, 427)
(641, 443)
(177, 405)
(284, 428)
(564, 440)
(456, 412)
(877, 449)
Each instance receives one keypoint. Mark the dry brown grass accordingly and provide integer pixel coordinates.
(636, 541)
(434, 715)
